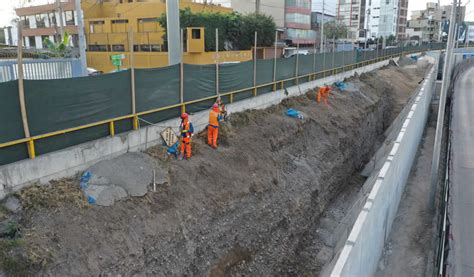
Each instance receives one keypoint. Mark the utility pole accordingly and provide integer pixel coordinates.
(82, 38)
(322, 30)
(172, 22)
(59, 20)
(257, 6)
(442, 105)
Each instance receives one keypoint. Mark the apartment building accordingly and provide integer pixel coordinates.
(352, 13)
(44, 21)
(430, 24)
(382, 18)
(402, 19)
(292, 17)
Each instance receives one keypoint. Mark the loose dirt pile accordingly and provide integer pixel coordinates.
(253, 207)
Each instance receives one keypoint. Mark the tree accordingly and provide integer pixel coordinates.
(236, 31)
(391, 40)
(61, 48)
(335, 30)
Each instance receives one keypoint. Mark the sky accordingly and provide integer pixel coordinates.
(7, 12)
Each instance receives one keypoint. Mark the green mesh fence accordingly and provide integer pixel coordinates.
(54, 105)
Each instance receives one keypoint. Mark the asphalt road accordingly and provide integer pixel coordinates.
(461, 255)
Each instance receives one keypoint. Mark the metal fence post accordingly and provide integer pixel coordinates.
(275, 61)
(181, 75)
(314, 60)
(217, 61)
(333, 55)
(255, 66)
(21, 94)
(297, 63)
(132, 74)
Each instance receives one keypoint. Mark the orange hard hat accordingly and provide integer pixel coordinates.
(184, 115)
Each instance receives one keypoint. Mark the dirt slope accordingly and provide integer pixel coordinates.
(253, 207)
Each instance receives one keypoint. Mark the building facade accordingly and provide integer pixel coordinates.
(352, 13)
(432, 23)
(292, 17)
(112, 26)
(382, 18)
(44, 21)
(402, 19)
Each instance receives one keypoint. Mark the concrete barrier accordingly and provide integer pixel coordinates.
(363, 248)
(70, 161)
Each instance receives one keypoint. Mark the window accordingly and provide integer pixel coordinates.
(196, 33)
(148, 25)
(298, 18)
(43, 38)
(119, 26)
(98, 48)
(69, 18)
(96, 26)
(118, 48)
(147, 48)
(32, 41)
(25, 20)
(40, 20)
(52, 19)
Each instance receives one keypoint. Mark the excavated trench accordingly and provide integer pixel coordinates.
(263, 204)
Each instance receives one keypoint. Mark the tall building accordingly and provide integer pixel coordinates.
(402, 19)
(352, 14)
(43, 21)
(432, 23)
(382, 18)
(292, 17)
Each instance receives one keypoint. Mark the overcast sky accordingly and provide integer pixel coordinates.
(7, 12)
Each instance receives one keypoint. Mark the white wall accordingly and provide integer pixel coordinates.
(363, 248)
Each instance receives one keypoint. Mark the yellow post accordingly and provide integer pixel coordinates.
(255, 65)
(282, 84)
(135, 122)
(231, 98)
(112, 128)
(183, 109)
(31, 149)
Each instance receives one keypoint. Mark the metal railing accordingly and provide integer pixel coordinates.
(275, 85)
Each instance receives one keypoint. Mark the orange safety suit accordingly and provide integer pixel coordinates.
(323, 94)
(213, 127)
(185, 138)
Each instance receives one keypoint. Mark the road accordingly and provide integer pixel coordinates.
(461, 255)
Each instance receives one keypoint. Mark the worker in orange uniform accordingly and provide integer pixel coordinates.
(213, 127)
(323, 94)
(186, 130)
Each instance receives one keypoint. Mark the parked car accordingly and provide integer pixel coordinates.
(93, 72)
(292, 51)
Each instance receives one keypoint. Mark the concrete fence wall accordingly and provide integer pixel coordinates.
(70, 161)
(363, 248)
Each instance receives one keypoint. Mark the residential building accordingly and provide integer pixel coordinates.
(11, 35)
(402, 19)
(292, 17)
(44, 21)
(352, 13)
(432, 23)
(113, 25)
(382, 18)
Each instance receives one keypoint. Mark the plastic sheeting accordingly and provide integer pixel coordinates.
(11, 125)
(65, 103)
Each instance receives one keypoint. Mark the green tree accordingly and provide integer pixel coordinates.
(336, 30)
(391, 40)
(236, 31)
(61, 48)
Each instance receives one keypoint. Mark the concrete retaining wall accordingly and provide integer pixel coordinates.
(363, 248)
(70, 161)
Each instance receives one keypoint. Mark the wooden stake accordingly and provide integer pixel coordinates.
(132, 74)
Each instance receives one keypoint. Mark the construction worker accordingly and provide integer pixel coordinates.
(323, 94)
(222, 108)
(213, 127)
(186, 130)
